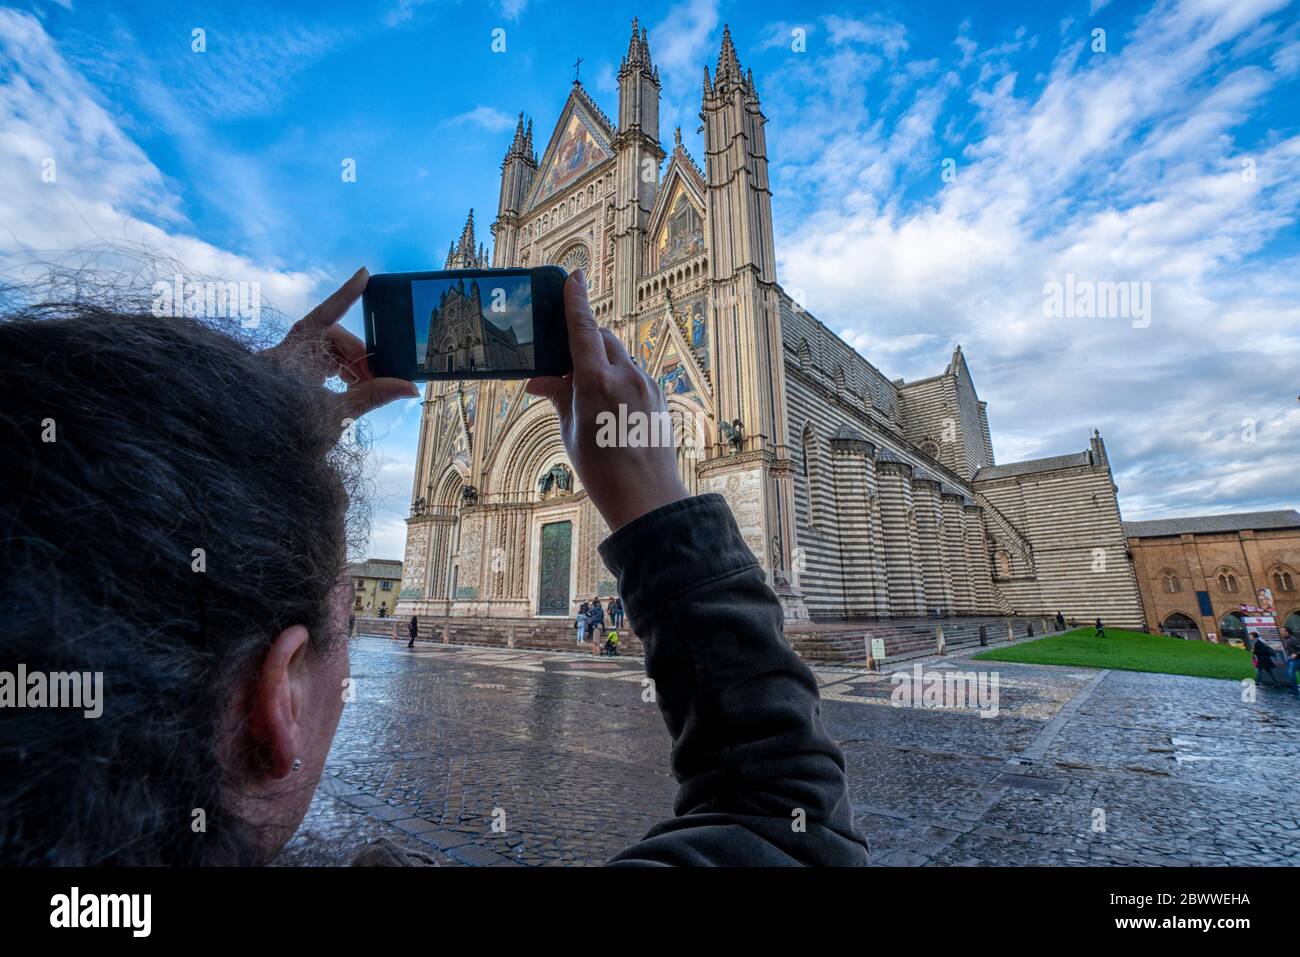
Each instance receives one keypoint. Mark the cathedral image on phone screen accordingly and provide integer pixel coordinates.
(473, 324)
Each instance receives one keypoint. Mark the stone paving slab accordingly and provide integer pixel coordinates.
(572, 764)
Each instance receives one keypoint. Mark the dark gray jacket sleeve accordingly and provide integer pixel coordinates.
(761, 782)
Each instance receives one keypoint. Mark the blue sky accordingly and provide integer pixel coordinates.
(1119, 165)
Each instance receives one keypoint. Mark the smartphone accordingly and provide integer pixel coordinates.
(467, 324)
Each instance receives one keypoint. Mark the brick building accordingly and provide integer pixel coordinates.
(1194, 574)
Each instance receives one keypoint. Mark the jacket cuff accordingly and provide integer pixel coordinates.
(674, 548)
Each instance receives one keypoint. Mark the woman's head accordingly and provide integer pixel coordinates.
(174, 517)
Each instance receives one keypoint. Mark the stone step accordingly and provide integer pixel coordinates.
(839, 642)
(523, 633)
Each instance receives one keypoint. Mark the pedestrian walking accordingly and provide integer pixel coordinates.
(414, 631)
(1101, 631)
(1291, 648)
(1263, 658)
(1060, 622)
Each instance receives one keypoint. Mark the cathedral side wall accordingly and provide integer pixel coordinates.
(1071, 518)
(828, 541)
(927, 416)
(827, 352)
(970, 424)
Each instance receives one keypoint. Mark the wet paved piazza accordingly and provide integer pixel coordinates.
(563, 753)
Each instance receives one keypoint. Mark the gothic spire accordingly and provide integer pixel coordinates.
(517, 144)
(638, 52)
(466, 252)
(633, 45)
(728, 63)
(466, 244)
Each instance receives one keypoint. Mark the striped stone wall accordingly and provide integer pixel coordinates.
(902, 559)
(1081, 567)
(893, 521)
(936, 580)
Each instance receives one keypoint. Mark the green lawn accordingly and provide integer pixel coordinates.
(1129, 651)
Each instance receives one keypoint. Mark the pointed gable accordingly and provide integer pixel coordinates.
(581, 141)
(673, 363)
(677, 218)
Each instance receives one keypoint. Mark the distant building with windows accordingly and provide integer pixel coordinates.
(1195, 574)
(375, 584)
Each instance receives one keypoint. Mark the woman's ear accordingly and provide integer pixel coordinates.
(277, 701)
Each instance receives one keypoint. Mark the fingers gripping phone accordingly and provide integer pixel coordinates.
(467, 324)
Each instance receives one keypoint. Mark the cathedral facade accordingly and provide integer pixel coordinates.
(864, 497)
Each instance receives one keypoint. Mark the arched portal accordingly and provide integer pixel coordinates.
(539, 530)
(693, 437)
(1231, 626)
(445, 535)
(1180, 626)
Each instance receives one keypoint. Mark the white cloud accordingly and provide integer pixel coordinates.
(781, 34)
(890, 36)
(105, 192)
(1122, 166)
(683, 40)
(485, 117)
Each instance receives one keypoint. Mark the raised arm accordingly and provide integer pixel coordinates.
(762, 783)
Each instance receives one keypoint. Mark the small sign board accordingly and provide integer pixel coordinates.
(878, 648)
(1262, 621)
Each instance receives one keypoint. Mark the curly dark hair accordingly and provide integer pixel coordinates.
(169, 435)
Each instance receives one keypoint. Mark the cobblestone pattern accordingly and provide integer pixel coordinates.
(571, 765)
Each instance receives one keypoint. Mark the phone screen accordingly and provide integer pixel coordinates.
(501, 323)
(479, 324)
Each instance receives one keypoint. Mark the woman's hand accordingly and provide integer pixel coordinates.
(317, 344)
(624, 482)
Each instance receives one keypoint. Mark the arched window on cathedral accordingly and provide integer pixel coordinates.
(1228, 581)
(574, 257)
(1170, 582)
(1283, 580)
(804, 354)
(839, 381)
(812, 473)
(1002, 563)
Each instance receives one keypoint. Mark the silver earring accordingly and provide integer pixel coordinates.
(297, 763)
